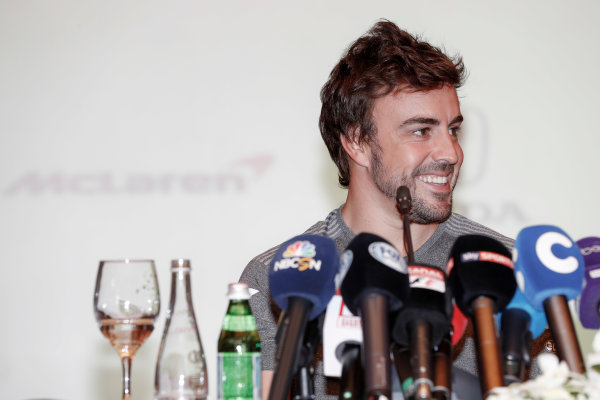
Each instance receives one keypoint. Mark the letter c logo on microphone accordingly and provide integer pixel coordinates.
(543, 249)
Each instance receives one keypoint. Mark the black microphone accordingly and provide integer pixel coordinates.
(480, 273)
(375, 283)
(426, 384)
(301, 281)
(302, 385)
(403, 200)
(519, 324)
(352, 383)
(423, 322)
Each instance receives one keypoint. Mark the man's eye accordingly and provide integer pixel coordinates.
(421, 132)
(454, 131)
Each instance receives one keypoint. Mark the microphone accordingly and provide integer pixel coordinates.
(352, 382)
(404, 370)
(483, 283)
(442, 357)
(589, 301)
(340, 329)
(403, 200)
(375, 283)
(549, 270)
(423, 322)
(302, 384)
(404, 205)
(442, 367)
(425, 386)
(519, 324)
(301, 281)
(342, 337)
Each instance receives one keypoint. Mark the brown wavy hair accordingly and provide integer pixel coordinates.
(381, 61)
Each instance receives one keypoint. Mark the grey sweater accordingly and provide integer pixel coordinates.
(434, 251)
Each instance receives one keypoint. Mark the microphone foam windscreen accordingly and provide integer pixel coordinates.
(538, 321)
(589, 301)
(547, 263)
(480, 266)
(305, 267)
(428, 300)
(375, 266)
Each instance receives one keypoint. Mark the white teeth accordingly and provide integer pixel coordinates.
(433, 179)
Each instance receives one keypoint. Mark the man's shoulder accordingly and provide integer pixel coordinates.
(259, 265)
(458, 225)
(266, 256)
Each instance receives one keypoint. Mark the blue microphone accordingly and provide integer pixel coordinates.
(301, 281)
(549, 270)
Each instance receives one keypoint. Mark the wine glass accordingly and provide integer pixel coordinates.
(126, 302)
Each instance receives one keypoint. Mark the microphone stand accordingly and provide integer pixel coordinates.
(405, 373)
(302, 386)
(488, 351)
(352, 380)
(442, 365)
(376, 347)
(563, 332)
(289, 347)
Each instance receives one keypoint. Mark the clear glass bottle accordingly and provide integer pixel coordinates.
(181, 365)
(238, 360)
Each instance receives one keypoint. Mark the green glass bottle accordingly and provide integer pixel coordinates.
(238, 360)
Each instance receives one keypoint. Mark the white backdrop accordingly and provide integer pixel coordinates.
(189, 130)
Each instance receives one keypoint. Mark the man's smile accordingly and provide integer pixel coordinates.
(434, 179)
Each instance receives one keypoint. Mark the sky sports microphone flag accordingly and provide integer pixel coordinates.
(301, 281)
(549, 270)
(589, 302)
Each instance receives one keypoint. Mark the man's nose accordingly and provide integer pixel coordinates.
(446, 148)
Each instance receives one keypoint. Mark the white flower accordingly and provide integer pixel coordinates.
(557, 382)
(596, 342)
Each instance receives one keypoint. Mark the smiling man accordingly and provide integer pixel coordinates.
(413, 142)
(390, 116)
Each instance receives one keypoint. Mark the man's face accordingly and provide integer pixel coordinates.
(416, 144)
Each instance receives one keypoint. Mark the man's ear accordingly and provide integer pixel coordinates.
(358, 151)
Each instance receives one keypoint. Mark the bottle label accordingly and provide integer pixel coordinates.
(238, 376)
(239, 323)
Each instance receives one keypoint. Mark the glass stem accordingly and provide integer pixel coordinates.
(126, 361)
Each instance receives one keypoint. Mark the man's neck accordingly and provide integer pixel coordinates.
(379, 215)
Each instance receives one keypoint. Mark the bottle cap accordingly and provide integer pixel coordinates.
(180, 263)
(238, 291)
